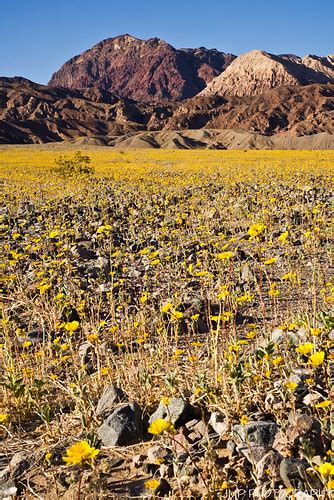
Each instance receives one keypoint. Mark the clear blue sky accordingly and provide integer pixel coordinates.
(37, 36)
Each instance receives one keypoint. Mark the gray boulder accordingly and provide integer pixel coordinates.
(254, 439)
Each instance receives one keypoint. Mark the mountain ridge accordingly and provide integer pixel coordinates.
(32, 113)
(153, 70)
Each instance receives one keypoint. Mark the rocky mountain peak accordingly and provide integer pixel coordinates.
(143, 70)
(257, 71)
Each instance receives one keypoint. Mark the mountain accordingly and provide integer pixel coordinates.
(143, 70)
(32, 113)
(257, 71)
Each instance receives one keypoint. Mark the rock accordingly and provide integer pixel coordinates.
(81, 251)
(123, 427)
(270, 462)
(194, 437)
(219, 423)
(20, 463)
(293, 472)
(88, 357)
(272, 402)
(256, 433)
(200, 428)
(257, 71)
(254, 439)
(156, 453)
(202, 326)
(179, 411)
(103, 264)
(138, 460)
(8, 490)
(280, 336)
(302, 431)
(110, 397)
(166, 470)
(246, 274)
(76, 111)
(191, 424)
(134, 273)
(231, 447)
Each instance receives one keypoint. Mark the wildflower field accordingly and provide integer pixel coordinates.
(194, 278)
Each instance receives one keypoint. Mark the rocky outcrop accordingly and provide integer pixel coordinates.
(143, 70)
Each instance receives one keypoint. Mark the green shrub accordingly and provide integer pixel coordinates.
(70, 167)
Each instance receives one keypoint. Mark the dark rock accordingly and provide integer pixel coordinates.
(179, 411)
(255, 433)
(123, 427)
(110, 397)
(81, 251)
(293, 474)
(254, 439)
(88, 357)
(303, 432)
(202, 326)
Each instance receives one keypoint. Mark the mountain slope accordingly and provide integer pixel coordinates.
(257, 71)
(144, 70)
(32, 113)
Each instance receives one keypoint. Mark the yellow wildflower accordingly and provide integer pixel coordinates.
(53, 234)
(283, 237)
(224, 255)
(72, 326)
(160, 425)
(255, 230)
(323, 404)
(317, 358)
(326, 469)
(316, 331)
(79, 453)
(167, 307)
(291, 385)
(277, 361)
(270, 261)
(304, 348)
(152, 484)
(177, 314)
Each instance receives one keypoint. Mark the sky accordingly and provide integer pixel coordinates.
(38, 36)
